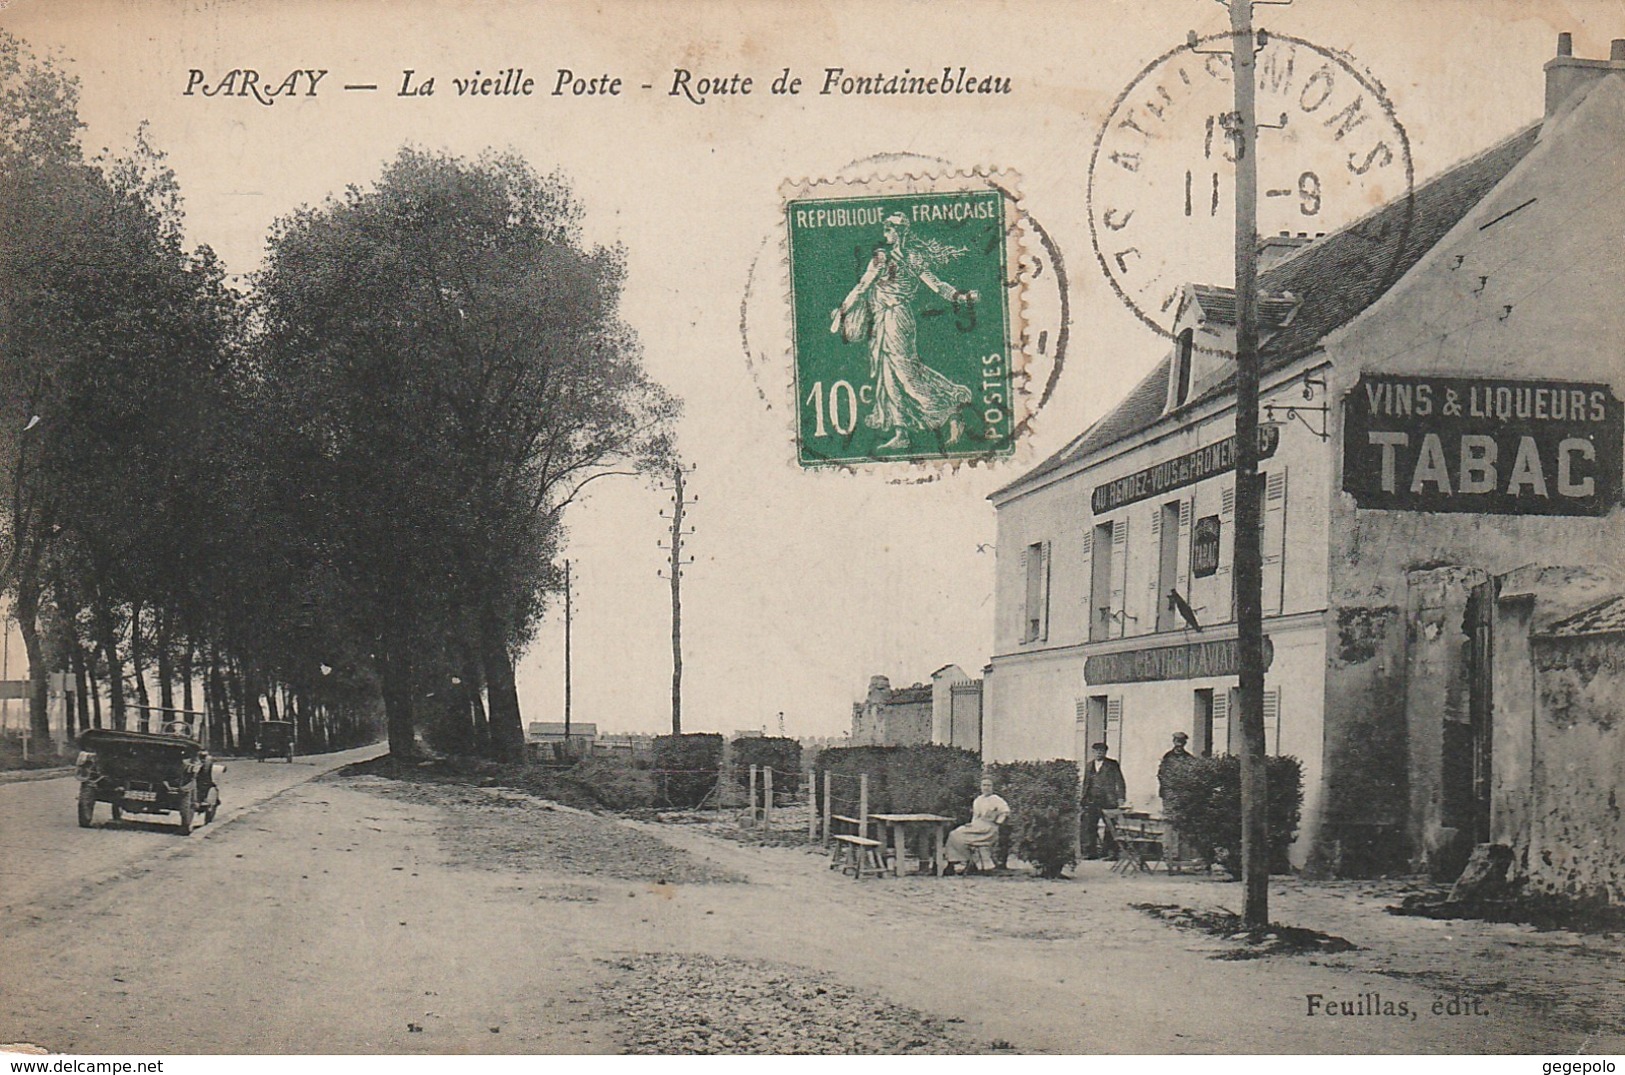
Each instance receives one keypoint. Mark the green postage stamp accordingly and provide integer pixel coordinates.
(905, 316)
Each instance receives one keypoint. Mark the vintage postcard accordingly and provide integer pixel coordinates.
(855, 527)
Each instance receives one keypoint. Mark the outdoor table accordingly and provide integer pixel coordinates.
(897, 826)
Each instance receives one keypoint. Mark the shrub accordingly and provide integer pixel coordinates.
(1043, 798)
(686, 767)
(613, 784)
(1203, 802)
(782, 755)
(923, 779)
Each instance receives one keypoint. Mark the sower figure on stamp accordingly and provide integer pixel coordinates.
(908, 394)
(1103, 789)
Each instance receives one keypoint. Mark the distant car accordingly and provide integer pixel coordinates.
(275, 740)
(146, 773)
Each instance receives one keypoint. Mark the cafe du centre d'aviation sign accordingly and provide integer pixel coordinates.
(1496, 447)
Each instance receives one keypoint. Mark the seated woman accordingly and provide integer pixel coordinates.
(981, 835)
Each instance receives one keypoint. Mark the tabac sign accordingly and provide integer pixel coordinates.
(1489, 446)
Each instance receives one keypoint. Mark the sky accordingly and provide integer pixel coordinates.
(804, 584)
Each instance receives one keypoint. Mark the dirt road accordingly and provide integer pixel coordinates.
(45, 851)
(357, 914)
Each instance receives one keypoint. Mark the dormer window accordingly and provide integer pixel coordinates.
(1179, 377)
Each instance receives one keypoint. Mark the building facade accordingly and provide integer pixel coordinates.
(1444, 417)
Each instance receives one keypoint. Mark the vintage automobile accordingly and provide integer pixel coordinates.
(147, 773)
(275, 740)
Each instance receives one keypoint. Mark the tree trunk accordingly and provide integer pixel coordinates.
(476, 706)
(186, 674)
(107, 638)
(166, 663)
(81, 682)
(507, 727)
(26, 612)
(395, 684)
(138, 665)
(95, 689)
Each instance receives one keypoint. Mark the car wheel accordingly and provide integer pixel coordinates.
(208, 814)
(87, 805)
(188, 808)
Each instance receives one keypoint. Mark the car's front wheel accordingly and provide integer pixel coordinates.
(87, 805)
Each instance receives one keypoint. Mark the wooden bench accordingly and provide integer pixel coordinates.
(859, 856)
(846, 823)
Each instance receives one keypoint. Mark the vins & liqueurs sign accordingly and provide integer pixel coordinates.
(1482, 445)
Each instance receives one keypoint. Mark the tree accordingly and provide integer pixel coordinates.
(451, 355)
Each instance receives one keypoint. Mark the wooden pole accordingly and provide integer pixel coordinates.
(1249, 566)
(863, 805)
(767, 796)
(829, 781)
(752, 811)
(677, 602)
(812, 808)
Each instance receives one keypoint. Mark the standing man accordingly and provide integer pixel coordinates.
(1103, 789)
(1173, 848)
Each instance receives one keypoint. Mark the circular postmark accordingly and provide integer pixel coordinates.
(1332, 157)
(920, 316)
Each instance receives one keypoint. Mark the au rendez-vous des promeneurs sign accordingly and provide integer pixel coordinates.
(1480, 445)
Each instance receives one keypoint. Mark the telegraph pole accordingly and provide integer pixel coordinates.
(567, 655)
(1249, 566)
(679, 503)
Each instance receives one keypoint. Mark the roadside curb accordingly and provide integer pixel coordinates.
(19, 776)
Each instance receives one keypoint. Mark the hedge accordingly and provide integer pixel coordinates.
(1043, 798)
(782, 755)
(686, 767)
(1203, 801)
(612, 783)
(925, 779)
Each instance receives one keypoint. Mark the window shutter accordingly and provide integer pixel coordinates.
(1227, 551)
(1182, 569)
(1025, 633)
(1043, 611)
(1272, 721)
(1221, 723)
(1088, 578)
(1114, 725)
(1119, 574)
(1153, 595)
(1273, 541)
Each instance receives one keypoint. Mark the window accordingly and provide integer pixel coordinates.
(1179, 377)
(1035, 606)
(1224, 735)
(1100, 583)
(1202, 723)
(1166, 523)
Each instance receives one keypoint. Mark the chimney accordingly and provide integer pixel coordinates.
(1568, 77)
(1275, 249)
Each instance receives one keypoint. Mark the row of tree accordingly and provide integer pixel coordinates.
(333, 491)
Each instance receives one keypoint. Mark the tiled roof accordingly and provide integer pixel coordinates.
(1335, 278)
(1606, 618)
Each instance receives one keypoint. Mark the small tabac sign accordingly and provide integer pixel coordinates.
(1482, 445)
(901, 327)
(1205, 546)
